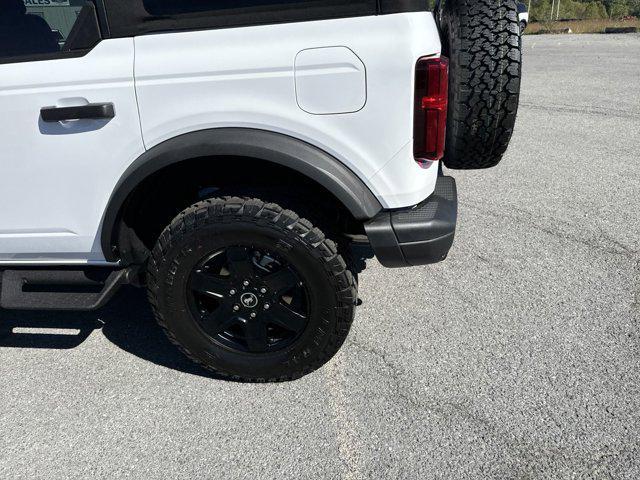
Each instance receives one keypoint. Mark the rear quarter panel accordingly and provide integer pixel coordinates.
(245, 77)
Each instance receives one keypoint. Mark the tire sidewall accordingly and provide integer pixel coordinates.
(323, 290)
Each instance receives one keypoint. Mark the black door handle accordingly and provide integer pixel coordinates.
(84, 112)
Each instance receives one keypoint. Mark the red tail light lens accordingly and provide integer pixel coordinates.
(431, 104)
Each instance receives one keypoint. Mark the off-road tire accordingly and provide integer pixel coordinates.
(210, 224)
(482, 40)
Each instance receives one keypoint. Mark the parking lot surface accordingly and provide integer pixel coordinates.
(518, 357)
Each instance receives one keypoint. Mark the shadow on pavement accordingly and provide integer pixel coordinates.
(127, 322)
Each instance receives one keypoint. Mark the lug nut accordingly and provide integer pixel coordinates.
(267, 306)
(253, 315)
(246, 283)
(232, 292)
(263, 290)
(236, 308)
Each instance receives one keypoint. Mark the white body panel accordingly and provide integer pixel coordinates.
(245, 77)
(56, 178)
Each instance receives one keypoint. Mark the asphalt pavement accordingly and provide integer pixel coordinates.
(518, 357)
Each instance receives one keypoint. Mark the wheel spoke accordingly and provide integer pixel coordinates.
(240, 263)
(248, 299)
(256, 332)
(281, 281)
(207, 283)
(286, 318)
(218, 321)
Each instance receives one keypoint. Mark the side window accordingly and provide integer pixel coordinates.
(137, 17)
(178, 7)
(33, 30)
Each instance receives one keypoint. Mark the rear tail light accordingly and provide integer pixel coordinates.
(431, 103)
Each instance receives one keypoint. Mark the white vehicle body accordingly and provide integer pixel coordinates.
(523, 14)
(241, 159)
(345, 86)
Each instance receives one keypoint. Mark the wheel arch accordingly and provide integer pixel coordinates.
(274, 148)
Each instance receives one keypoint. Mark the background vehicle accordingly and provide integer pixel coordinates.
(229, 155)
(523, 16)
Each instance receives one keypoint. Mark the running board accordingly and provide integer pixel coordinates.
(60, 289)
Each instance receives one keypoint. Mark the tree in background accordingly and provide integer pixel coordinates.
(541, 10)
(576, 9)
(619, 9)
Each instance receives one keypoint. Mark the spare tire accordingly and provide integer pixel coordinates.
(482, 40)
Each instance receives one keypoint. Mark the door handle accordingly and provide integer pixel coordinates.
(92, 111)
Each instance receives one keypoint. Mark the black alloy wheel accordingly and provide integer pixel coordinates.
(249, 300)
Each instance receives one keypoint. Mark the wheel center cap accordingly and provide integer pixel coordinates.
(249, 300)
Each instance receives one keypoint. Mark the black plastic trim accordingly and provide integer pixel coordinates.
(420, 235)
(101, 11)
(91, 111)
(137, 17)
(234, 142)
(402, 6)
(384, 242)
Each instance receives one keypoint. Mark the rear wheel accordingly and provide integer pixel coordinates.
(250, 290)
(482, 40)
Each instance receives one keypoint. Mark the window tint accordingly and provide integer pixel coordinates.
(42, 29)
(129, 18)
(179, 7)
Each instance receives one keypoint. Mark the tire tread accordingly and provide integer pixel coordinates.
(228, 209)
(484, 48)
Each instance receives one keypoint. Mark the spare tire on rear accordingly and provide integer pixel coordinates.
(482, 40)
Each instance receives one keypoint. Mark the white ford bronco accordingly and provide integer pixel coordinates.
(241, 158)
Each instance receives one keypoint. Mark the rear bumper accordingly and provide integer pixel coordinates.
(420, 235)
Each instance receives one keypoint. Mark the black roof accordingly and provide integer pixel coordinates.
(136, 17)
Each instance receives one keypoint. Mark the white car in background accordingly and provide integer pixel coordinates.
(523, 16)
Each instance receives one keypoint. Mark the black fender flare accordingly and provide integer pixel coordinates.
(278, 148)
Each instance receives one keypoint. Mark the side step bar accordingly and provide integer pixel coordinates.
(60, 289)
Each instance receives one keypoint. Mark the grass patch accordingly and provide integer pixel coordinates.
(579, 26)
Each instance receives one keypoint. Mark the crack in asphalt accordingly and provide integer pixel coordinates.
(605, 112)
(397, 373)
(544, 227)
(529, 454)
(525, 452)
(635, 305)
(593, 470)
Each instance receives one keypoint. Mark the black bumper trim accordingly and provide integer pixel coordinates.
(420, 235)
